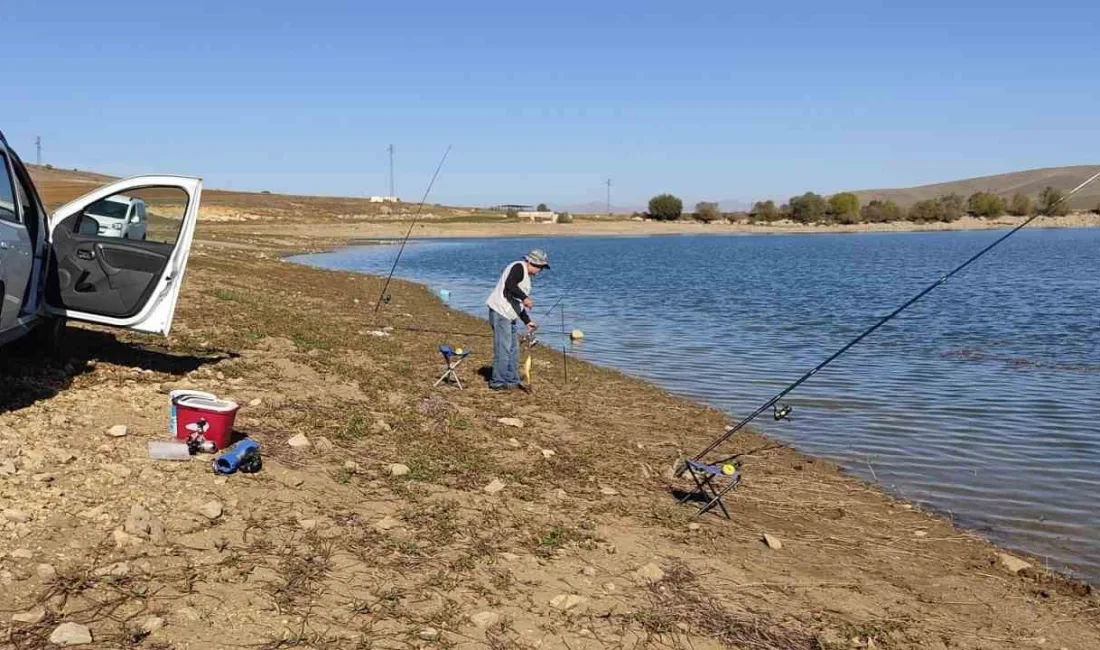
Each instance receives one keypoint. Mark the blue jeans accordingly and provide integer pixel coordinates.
(505, 352)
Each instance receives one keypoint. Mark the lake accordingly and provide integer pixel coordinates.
(982, 401)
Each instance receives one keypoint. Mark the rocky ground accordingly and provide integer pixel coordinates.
(391, 514)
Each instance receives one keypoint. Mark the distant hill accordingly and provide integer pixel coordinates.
(1030, 182)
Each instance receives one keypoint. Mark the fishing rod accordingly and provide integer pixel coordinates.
(782, 412)
(416, 215)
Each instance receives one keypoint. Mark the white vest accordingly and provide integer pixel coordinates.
(496, 300)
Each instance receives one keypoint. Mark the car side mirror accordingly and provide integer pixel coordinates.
(88, 225)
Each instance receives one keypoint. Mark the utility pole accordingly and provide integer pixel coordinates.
(392, 192)
(38, 144)
(609, 197)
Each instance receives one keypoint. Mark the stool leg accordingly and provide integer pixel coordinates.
(698, 486)
(717, 500)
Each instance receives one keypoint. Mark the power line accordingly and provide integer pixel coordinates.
(38, 145)
(609, 197)
(392, 193)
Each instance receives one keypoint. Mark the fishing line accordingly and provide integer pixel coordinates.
(781, 412)
(416, 215)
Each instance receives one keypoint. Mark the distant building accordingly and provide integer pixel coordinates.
(534, 215)
(384, 199)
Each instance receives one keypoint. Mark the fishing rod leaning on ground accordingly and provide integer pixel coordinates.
(382, 296)
(781, 412)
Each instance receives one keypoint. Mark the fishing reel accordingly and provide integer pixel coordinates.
(782, 412)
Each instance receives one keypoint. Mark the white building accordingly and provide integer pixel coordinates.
(384, 199)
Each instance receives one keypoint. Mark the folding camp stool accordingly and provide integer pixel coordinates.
(453, 361)
(711, 483)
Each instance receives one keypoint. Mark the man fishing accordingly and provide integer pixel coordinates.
(508, 303)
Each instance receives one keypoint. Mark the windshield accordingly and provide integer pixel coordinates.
(107, 208)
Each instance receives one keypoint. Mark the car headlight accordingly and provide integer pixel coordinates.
(116, 226)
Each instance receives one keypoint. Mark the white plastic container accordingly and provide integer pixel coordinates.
(168, 450)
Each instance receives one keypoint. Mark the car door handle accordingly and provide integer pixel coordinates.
(85, 255)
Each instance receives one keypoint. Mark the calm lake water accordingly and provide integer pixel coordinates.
(981, 401)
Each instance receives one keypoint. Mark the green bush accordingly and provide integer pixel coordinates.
(881, 212)
(665, 207)
(946, 209)
(707, 211)
(764, 211)
(986, 205)
(512, 214)
(1096, 210)
(49, 166)
(844, 207)
(1020, 205)
(1052, 202)
(565, 217)
(808, 208)
(542, 208)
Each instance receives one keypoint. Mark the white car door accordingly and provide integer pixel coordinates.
(131, 284)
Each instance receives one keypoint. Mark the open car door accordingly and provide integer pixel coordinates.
(132, 284)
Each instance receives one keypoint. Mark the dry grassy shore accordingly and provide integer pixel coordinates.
(420, 517)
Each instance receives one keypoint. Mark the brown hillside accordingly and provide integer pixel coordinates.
(1030, 182)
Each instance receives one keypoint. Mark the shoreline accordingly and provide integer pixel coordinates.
(554, 534)
(427, 229)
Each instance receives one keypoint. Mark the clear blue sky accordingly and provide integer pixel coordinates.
(544, 100)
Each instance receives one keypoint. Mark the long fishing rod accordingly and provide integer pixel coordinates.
(416, 215)
(781, 413)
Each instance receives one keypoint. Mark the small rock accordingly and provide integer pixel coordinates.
(124, 539)
(387, 523)
(561, 494)
(323, 444)
(256, 402)
(694, 526)
(46, 571)
(351, 466)
(152, 624)
(43, 478)
(117, 570)
(566, 602)
(211, 510)
(307, 524)
(496, 485)
(300, 441)
(7, 468)
(189, 614)
(118, 470)
(772, 541)
(609, 491)
(22, 554)
(1012, 563)
(380, 427)
(516, 444)
(650, 573)
(68, 634)
(547, 453)
(16, 516)
(509, 557)
(397, 469)
(920, 533)
(589, 571)
(429, 634)
(30, 617)
(485, 619)
(511, 422)
(118, 431)
(609, 587)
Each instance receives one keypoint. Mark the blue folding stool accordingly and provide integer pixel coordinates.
(706, 477)
(453, 361)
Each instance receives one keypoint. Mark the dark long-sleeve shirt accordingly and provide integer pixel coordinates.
(514, 294)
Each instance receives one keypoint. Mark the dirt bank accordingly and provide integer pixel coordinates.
(416, 518)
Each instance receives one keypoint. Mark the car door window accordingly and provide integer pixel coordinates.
(8, 210)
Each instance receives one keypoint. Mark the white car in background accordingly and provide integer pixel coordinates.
(65, 265)
(119, 216)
